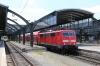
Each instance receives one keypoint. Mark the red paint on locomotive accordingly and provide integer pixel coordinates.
(60, 37)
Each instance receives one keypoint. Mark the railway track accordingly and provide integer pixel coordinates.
(18, 59)
(10, 59)
(87, 56)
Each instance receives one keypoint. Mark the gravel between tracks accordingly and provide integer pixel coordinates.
(53, 59)
(47, 58)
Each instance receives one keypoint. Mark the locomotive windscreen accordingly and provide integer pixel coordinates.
(68, 33)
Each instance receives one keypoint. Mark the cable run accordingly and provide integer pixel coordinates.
(24, 6)
(19, 4)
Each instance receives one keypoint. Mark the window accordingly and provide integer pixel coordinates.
(47, 35)
(54, 19)
(68, 33)
(52, 34)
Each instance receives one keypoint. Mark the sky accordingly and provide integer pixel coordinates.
(36, 9)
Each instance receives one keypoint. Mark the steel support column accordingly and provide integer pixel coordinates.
(31, 35)
(24, 36)
(0, 36)
(88, 22)
(9, 36)
(81, 31)
(86, 36)
(6, 16)
(19, 35)
(78, 24)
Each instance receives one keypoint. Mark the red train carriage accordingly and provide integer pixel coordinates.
(27, 37)
(35, 37)
(65, 40)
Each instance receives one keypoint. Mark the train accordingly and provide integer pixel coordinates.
(60, 40)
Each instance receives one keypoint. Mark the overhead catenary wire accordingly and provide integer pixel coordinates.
(20, 4)
(18, 8)
(24, 6)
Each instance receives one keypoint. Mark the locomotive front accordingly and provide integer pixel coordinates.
(69, 40)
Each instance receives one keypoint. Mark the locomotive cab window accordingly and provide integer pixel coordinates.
(68, 33)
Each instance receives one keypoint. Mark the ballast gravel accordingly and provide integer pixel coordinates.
(47, 58)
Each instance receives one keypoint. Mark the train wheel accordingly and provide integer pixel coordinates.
(58, 51)
(63, 51)
(48, 48)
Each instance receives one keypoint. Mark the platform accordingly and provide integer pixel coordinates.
(2, 55)
(91, 47)
(27, 46)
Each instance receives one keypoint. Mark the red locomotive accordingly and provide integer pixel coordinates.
(61, 40)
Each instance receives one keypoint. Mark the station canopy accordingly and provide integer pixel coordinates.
(62, 16)
(3, 17)
(72, 15)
